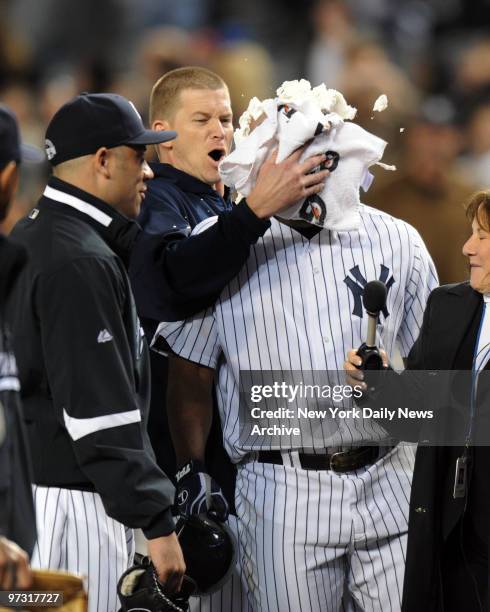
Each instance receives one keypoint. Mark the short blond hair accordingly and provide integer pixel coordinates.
(165, 94)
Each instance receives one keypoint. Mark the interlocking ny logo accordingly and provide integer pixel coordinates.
(357, 284)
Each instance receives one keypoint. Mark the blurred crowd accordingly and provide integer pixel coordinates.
(431, 58)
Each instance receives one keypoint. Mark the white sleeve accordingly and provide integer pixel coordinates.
(195, 339)
(423, 279)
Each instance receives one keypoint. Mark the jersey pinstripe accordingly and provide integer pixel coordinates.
(312, 540)
(296, 306)
(75, 534)
(320, 519)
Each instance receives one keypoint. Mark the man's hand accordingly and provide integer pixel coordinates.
(353, 375)
(167, 557)
(198, 493)
(280, 185)
(14, 566)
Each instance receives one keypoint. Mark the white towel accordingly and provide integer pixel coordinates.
(352, 150)
(239, 169)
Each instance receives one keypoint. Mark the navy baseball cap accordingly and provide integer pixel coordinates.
(11, 148)
(90, 121)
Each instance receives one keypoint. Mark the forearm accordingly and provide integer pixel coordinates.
(189, 428)
(203, 264)
(120, 455)
(189, 408)
(176, 276)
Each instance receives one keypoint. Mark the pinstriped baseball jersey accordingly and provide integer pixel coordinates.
(297, 305)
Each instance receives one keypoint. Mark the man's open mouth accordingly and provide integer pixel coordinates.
(217, 154)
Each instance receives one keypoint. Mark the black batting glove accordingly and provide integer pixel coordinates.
(198, 493)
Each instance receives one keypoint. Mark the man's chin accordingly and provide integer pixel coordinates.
(134, 211)
(212, 179)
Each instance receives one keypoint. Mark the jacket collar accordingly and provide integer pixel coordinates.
(186, 182)
(116, 230)
(462, 289)
(13, 257)
(461, 310)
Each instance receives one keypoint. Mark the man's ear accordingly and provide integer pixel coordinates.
(9, 182)
(159, 125)
(101, 161)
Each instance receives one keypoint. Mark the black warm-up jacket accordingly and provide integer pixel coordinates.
(82, 358)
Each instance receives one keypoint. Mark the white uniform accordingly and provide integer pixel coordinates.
(296, 306)
(75, 534)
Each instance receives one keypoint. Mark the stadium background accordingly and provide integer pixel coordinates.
(431, 58)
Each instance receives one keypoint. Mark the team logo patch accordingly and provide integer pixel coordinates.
(183, 472)
(331, 162)
(50, 149)
(104, 336)
(182, 497)
(314, 209)
(356, 283)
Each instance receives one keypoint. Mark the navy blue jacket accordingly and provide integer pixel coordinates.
(183, 274)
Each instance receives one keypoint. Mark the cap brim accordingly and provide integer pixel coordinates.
(30, 153)
(152, 137)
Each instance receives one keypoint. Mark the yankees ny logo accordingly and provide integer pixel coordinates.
(357, 284)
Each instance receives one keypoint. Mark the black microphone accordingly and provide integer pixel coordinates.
(374, 300)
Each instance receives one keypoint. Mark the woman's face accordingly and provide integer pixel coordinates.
(477, 250)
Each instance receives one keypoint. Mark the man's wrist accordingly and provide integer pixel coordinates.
(259, 210)
(255, 225)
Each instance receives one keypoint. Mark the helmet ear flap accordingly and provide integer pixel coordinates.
(209, 551)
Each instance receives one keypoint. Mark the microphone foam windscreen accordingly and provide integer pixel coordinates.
(374, 296)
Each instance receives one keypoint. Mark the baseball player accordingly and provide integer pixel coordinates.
(316, 520)
(188, 274)
(17, 520)
(82, 357)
